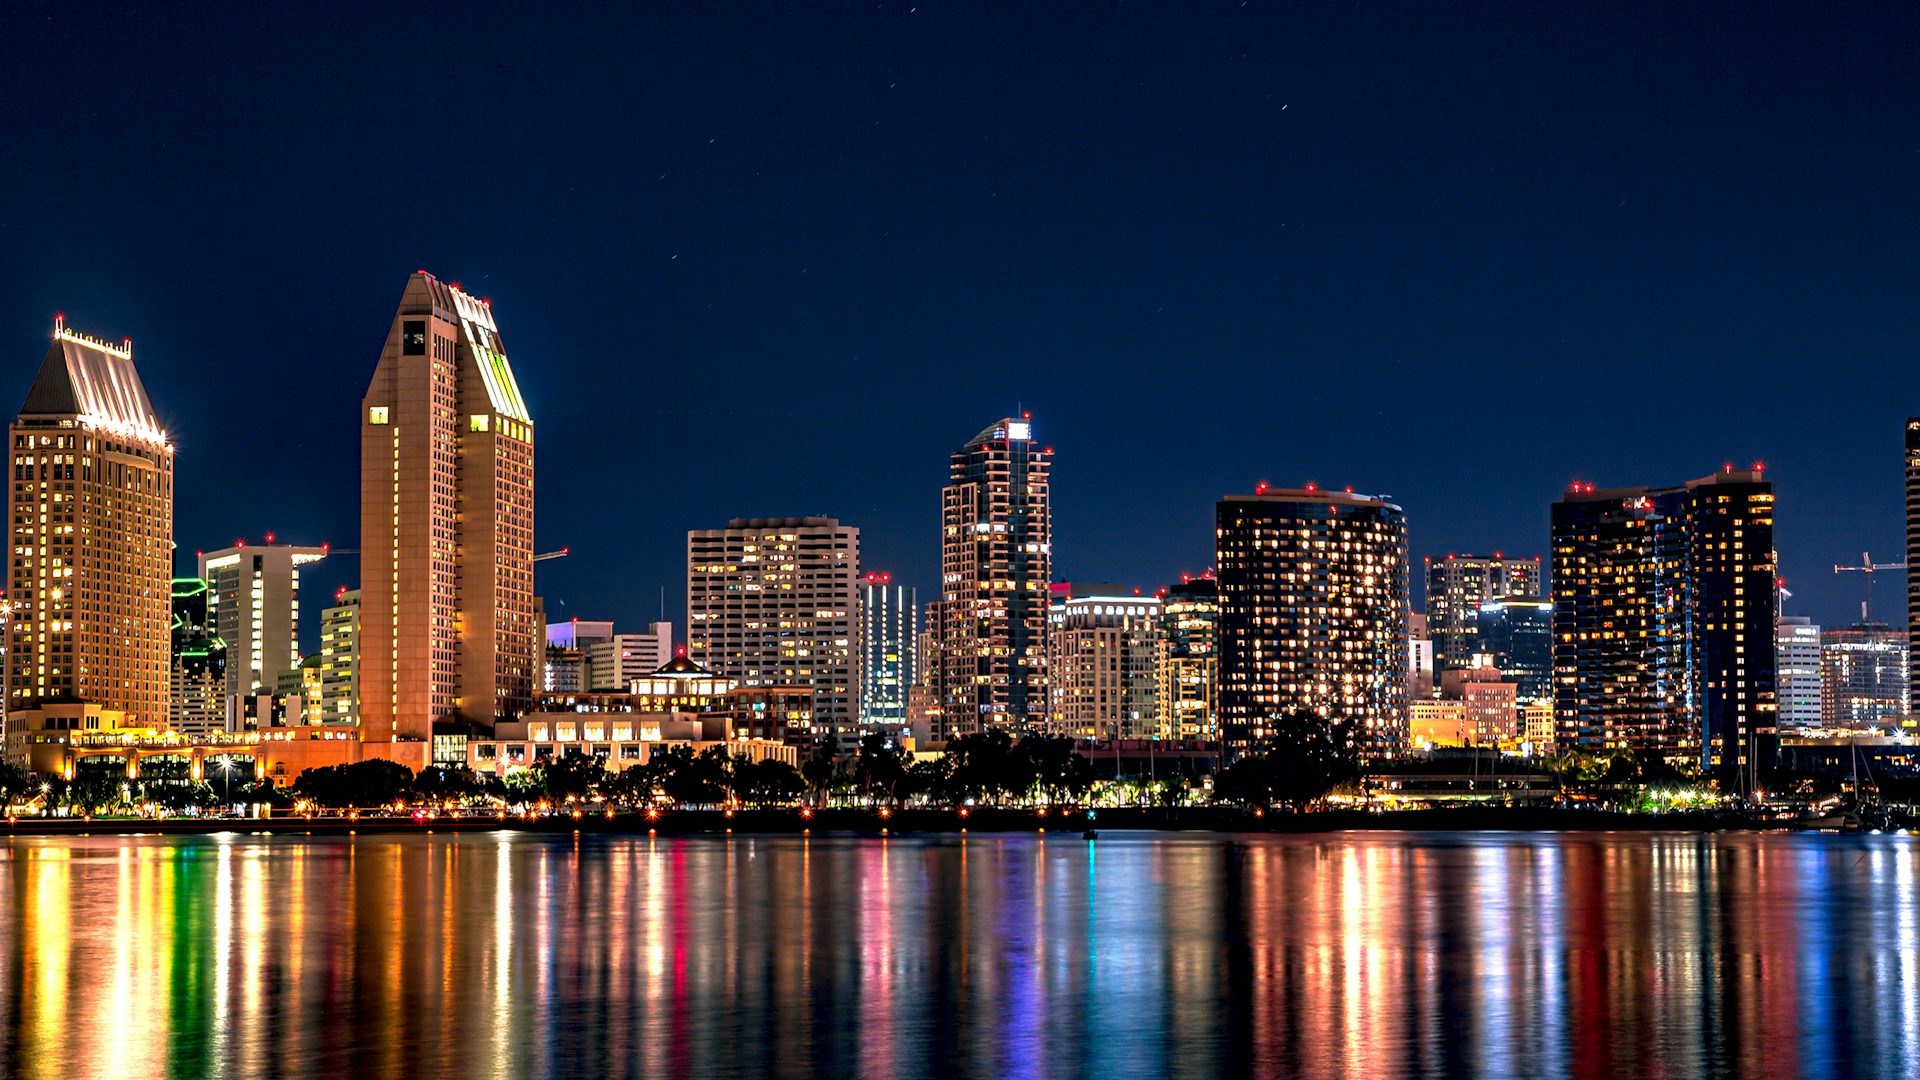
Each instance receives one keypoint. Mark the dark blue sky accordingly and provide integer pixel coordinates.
(753, 259)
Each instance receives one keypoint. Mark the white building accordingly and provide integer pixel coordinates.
(613, 664)
(775, 602)
(253, 604)
(1796, 652)
(1103, 647)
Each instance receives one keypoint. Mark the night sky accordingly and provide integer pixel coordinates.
(756, 262)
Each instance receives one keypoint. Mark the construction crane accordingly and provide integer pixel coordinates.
(1868, 567)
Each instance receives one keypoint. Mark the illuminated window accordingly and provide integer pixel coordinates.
(413, 337)
(477, 422)
(377, 414)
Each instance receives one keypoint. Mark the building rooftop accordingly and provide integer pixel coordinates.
(1312, 493)
(94, 382)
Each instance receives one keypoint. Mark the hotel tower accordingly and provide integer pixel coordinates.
(447, 631)
(90, 514)
(1313, 614)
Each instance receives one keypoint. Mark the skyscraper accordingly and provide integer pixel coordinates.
(253, 601)
(996, 562)
(1913, 558)
(1313, 613)
(91, 524)
(1663, 622)
(1863, 677)
(1102, 662)
(1189, 696)
(773, 602)
(340, 659)
(1456, 587)
(1518, 634)
(1796, 661)
(198, 685)
(446, 525)
(889, 652)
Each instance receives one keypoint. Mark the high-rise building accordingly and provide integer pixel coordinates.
(253, 600)
(1863, 677)
(1189, 694)
(198, 686)
(447, 621)
(340, 659)
(1456, 587)
(614, 663)
(1517, 633)
(1313, 613)
(996, 563)
(1103, 648)
(1796, 665)
(889, 652)
(1663, 622)
(1913, 557)
(774, 602)
(90, 515)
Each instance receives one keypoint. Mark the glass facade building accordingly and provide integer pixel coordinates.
(1663, 622)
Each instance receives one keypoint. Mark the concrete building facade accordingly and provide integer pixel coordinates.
(447, 623)
(775, 602)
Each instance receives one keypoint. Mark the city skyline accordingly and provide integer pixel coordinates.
(936, 226)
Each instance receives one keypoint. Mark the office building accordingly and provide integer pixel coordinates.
(1456, 587)
(1516, 634)
(563, 664)
(579, 633)
(340, 659)
(1313, 613)
(198, 683)
(90, 516)
(1863, 677)
(614, 663)
(1103, 646)
(1472, 707)
(775, 602)
(1189, 663)
(447, 625)
(889, 652)
(1663, 622)
(1796, 664)
(996, 563)
(253, 600)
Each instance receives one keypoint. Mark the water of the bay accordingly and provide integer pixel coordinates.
(1363, 955)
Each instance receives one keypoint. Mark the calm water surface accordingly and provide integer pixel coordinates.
(1365, 955)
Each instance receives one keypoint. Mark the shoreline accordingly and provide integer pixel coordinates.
(864, 822)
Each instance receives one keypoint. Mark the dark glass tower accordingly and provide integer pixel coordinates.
(1518, 633)
(1663, 622)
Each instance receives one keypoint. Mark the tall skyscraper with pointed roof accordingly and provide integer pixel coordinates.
(447, 630)
(996, 563)
(90, 516)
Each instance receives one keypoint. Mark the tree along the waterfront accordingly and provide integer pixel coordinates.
(1303, 758)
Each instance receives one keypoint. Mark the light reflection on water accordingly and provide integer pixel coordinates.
(1367, 955)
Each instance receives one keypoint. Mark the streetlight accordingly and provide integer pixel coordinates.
(226, 776)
